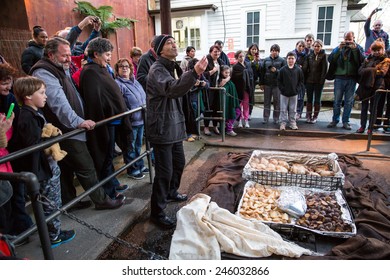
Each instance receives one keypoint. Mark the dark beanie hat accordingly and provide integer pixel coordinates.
(159, 42)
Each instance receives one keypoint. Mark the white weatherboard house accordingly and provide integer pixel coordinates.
(239, 23)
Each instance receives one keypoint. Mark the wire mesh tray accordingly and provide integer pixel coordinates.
(276, 178)
(291, 224)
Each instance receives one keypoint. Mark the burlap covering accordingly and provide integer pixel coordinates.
(367, 194)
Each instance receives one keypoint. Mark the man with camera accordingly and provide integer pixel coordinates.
(344, 62)
(375, 33)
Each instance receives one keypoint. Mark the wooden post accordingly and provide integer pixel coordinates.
(165, 12)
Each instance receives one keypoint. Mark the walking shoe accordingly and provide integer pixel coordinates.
(138, 176)
(331, 124)
(347, 126)
(247, 124)
(231, 133)
(109, 203)
(207, 131)
(294, 127)
(308, 120)
(282, 126)
(239, 123)
(360, 130)
(265, 121)
(164, 221)
(276, 121)
(64, 237)
(121, 188)
(297, 116)
(216, 130)
(178, 198)
(190, 139)
(313, 120)
(145, 170)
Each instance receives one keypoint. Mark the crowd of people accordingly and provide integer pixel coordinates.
(73, 85)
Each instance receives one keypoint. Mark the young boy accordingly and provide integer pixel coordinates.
(31, 92)
(290, 82)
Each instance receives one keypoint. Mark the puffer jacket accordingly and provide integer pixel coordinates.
(31, 55)
(315, 68)
(267, 77)
(165, 123)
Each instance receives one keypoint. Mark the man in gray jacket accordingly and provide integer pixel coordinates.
(165, 127)
(64, 109)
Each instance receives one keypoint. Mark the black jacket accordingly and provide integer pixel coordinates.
(290, 81)
(165, 123)
(31, 55)
(267, 77)
(145, 62)
(315, 68)
(242, 77)
(29, 132)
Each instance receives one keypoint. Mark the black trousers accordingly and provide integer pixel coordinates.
(78, 162)
(169, 166)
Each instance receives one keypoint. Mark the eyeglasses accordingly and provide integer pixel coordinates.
(124, 66)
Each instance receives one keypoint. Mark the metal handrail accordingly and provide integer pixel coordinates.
(33, 185)
(373, 115)
(222, 118)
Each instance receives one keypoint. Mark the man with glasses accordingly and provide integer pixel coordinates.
(375, 33)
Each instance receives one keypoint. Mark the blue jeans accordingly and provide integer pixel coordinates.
(343, 88)
(135, 151)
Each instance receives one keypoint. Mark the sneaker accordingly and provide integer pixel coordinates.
(64, 237)
(308, 120)
(145, 170)
(276, 121)
(313, 120)
(331, 124)
(347, 126)
(247, 124)
(386, 130)
(360, 130)
(239, 123)
(297, 116)
(231, 133)
(294, 127)
(190, 139)
(216, 131)
(121, 188)
(138, 176)
(265, 121)
(207, 131)
(282, 126)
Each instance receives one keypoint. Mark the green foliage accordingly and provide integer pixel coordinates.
(105, 14)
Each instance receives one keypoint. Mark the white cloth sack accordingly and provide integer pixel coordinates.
(204, 230)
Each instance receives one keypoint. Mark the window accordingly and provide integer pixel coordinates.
(325, 22)
(187, 32)
(252, 28)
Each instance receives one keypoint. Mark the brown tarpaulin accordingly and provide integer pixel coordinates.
(367, 195)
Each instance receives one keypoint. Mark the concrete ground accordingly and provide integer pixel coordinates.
(95, 230)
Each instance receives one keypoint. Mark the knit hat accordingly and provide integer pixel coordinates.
(5, 192)
(159, 42)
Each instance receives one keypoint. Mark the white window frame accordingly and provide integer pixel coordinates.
(335, 21)
(244, 10)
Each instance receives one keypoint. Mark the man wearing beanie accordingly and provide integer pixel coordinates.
(165, 126)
